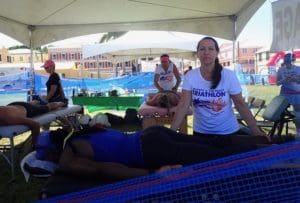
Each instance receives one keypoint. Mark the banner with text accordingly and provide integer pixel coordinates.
(286, 25)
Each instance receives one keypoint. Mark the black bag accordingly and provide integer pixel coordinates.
(115, 120)
(131, 116)
(113, 93)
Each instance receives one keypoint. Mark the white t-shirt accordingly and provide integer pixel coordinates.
(213, 113)
(166, 78)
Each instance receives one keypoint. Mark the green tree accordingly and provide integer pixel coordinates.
(18, 47)
(111, 36)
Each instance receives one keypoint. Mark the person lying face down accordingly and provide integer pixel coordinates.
(20, 113)
(164, 99)
(113, 155)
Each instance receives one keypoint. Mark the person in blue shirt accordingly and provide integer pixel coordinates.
(288, 77)
(107, 153)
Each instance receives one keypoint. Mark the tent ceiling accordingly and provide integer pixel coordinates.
(137, 44)
(59, 19)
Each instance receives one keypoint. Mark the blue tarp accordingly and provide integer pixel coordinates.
(140, 82)
(14, 81)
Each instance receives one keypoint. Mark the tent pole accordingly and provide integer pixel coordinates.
(234, 18)
(182, 65)
(98, 68)
(123, 66)
(31, 72)
(82, 67)
(115, 68)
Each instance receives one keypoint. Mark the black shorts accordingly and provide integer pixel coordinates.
(31, 110)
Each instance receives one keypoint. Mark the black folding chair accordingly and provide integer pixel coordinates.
(275, 115)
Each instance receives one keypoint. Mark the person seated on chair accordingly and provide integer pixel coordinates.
(106, 153)
(166, 75)
(55, 92)
(21, 113)
(164, 99)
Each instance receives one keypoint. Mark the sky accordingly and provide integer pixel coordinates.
(257, 32)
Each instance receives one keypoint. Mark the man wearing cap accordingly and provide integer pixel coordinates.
(166, 76)
(288, 77)
(55, 91)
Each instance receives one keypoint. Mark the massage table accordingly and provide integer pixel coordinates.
(11, 131)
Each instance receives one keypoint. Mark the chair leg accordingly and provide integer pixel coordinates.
(280, 128)
(12, 158)
(272, 131)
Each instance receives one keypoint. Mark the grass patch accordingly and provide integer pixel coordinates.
(263, 92)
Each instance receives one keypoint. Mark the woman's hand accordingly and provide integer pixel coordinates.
(167, 168)
(257, 132)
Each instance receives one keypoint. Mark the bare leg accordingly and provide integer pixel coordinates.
(77, 164)
(55, 105)
(35, 102)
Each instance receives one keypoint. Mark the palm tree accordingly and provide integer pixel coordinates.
(110, 36)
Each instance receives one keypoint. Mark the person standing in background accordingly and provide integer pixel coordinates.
(288, 76)
(55, 92)
(166, 76)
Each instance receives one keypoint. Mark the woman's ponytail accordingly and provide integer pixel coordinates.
(216, 75)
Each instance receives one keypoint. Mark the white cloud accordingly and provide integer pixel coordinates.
(6, 41)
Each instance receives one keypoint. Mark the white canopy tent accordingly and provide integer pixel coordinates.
(137, 44)
(35, 23)
(286, 25)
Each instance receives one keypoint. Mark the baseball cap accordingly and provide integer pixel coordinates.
(48, 63)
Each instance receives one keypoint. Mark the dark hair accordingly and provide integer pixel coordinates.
(163, 101)
(216, 75)
(164, 55)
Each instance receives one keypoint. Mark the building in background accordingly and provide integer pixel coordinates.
(245, 57)
(92, 67)
(24, 56)
(69, 63)
(4, 57)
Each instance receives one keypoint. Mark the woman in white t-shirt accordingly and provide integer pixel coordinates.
(166, 76)
(211, 89)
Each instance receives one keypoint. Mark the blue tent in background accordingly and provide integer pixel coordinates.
(140, 82)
